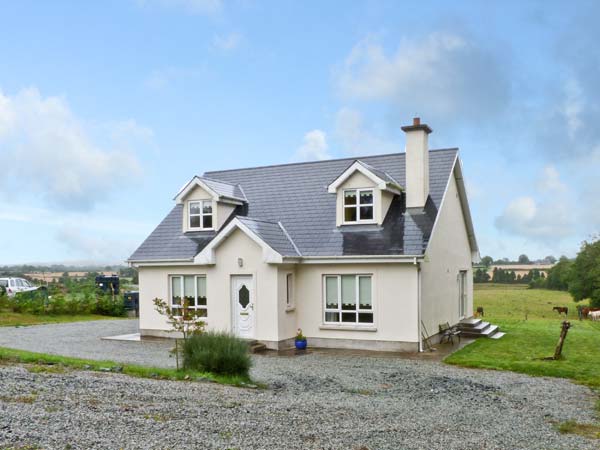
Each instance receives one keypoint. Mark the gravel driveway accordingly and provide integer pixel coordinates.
(316, 401)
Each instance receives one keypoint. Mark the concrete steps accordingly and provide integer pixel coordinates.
(256, 347)
(476, 328)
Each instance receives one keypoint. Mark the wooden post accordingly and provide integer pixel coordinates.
(561, 340)
(177, 353)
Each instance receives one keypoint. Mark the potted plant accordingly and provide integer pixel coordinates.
(300, 340)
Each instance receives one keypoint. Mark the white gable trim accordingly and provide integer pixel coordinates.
(456, 172)
(356, 166)
(196, 181)
(207, 255)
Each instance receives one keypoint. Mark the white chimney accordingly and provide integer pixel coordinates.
(417, 164)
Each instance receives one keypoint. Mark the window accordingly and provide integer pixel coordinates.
(348, 299)
(201, 214)
(289, 285)
(192, 289)
(358, 205)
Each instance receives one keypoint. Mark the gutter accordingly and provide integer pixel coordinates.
(370, 258)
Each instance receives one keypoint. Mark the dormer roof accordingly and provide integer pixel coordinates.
(219, 190)
(381, 178)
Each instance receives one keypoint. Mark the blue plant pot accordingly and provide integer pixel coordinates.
(301, 345)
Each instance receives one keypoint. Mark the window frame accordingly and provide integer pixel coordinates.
(196, 305)
(358, 205)
(339, 310)
(201, 214)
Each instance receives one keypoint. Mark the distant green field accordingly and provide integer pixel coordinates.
(532, 333)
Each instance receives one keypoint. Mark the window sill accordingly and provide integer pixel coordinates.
(348, 327)
(290, 309)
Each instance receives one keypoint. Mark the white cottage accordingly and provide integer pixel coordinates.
(358, 252)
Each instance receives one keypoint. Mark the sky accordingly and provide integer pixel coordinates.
(108, 108)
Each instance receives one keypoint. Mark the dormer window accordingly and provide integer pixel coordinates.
(358, 205)
(201, 215)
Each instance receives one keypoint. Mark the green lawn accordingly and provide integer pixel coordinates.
(11, 319)
(532, 333)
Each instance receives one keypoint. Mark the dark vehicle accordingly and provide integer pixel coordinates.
(132, 301)
(108, 284)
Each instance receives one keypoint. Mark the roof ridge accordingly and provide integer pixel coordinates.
(349, 158)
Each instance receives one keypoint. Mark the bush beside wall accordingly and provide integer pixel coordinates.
(217, 352)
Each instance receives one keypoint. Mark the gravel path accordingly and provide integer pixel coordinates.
(315, 401)
(83, 340)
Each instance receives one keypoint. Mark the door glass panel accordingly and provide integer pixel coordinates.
(244, 296)
(348, 292)
(331, 287)
(364, 292)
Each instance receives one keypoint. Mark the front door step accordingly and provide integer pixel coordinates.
(477, 328)
(256, 347)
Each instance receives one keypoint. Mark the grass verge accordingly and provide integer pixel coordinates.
(40, 360)
(12, 319)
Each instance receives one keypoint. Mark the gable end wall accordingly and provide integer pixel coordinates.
(448, 253)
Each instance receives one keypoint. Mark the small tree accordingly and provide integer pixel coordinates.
(584, 277)
(487, 261)
(524, 259)
(182, 318)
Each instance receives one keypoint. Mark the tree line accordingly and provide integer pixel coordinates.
(579, 276)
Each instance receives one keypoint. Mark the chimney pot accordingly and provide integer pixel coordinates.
(416, 121)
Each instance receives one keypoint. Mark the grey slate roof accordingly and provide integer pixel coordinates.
(380, 173)
(224, 189)
(296, 195)
(273, 234)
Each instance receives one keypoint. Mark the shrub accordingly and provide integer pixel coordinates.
(106, 306)
(217, 352)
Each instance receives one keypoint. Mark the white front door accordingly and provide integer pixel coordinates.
(242, 297)
(462, 294)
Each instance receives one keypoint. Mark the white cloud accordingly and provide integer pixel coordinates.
(550, 181)
(227, 42)
(203, 7)
(548, 221)
(356, 139)
(443, 75)
(46, 150)
(314, 147)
